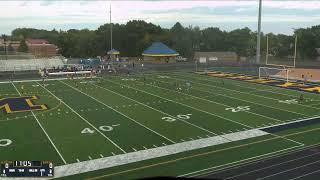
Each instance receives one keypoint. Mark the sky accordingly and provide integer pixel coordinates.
(278, 16)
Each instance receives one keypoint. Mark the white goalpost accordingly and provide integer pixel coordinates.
(274, 73)
(278, 70)
(281, 65)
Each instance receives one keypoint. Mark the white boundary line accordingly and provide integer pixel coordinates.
(290, 122)
(51, 79)
(202, 110)
(248, 94)
(226, 118)
(265, 177)
(131, 157)
(273, 165)
(185, 104)
(236, 162)
(84, 119)
(156, 110)
(235, 165)
(54, 146)
(207, 79)
(225, 104)
(118, 112)
(304, 175)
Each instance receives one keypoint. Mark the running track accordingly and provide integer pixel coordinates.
(303, 164)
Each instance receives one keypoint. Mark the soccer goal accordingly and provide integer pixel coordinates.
(274, 73)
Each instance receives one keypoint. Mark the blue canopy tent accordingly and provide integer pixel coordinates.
(90, 62)
(159, 51)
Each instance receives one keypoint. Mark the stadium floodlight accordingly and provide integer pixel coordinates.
(4, 37)
(110, 30)
(259, 34)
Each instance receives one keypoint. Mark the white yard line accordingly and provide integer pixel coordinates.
(117, 160)
(83, 119)
(184, 104)
(244, 92)
(247, 100)
(118, 112)
(45, 132)
(228, 105)
(203, 110)
(158, 110)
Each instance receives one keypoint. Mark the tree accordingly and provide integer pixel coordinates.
(23, 46)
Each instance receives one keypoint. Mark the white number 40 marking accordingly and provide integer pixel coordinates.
(180, 116)
(238, 109)
(5, 142)
(102, 128)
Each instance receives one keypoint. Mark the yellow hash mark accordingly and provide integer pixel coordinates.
(201, 154)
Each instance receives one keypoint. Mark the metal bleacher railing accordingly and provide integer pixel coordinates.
(31, 64)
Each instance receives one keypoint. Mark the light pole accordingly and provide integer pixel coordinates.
(5, 45)
(258, 55)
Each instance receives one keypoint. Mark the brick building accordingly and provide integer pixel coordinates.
(41, 48)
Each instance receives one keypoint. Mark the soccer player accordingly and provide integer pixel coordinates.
(144, 79)
(301, 98)
(22, 89)
(222, 81)
(188, 84)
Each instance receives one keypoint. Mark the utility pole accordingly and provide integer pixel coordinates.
(4, 37)
(110, 29)
(258, 55)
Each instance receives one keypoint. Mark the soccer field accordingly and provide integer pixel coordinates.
(152, 124)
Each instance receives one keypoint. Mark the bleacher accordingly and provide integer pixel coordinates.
(30, 64)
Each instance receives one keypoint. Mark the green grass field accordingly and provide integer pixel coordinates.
(89, 119)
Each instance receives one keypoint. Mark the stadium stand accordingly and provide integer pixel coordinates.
(30, 64)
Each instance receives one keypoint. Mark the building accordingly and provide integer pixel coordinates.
(41, 48)
(159, 53)
(13, 44)
(207, 57)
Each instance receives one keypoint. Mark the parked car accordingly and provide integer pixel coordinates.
(181, 59)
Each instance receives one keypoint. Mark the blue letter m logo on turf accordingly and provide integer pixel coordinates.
(20, 104)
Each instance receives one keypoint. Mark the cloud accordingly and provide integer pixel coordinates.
(207, 13)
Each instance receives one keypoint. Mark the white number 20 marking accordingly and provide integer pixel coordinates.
(5, 142)
(238, 109)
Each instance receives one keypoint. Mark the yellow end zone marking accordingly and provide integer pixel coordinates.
(263, 81)
(317, 88)
(200, 154)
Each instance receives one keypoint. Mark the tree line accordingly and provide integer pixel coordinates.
(135, 36)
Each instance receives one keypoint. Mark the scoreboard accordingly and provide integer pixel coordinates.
(26, 169)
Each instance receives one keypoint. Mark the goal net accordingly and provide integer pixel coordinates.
(274, 73)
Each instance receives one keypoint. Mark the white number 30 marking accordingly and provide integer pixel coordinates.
(238, 109)
(5, 142)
